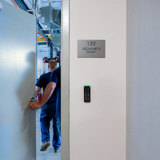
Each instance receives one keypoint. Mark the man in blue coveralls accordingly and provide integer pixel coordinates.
(51, 108)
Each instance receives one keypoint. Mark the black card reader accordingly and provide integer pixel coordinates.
(87, 94)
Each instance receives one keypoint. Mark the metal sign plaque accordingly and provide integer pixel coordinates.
(91, 48)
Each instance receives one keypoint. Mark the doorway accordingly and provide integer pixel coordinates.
(59, 49)
(48, 49)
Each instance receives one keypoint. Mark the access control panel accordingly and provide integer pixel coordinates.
(87, 94)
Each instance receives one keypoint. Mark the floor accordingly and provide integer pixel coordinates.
(49, 154)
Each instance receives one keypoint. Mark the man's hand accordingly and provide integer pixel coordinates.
(34, 105)
(46, 95)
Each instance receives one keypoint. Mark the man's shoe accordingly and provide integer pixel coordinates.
(45, 146)
(57, 149)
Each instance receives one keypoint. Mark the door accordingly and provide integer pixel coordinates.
(17, 81)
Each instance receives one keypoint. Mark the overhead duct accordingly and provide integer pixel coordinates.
(51, 17)
(56, 16)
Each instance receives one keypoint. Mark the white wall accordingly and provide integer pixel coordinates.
(143, 78)
(98, 129)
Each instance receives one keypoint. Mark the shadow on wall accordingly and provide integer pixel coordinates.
(25, 92)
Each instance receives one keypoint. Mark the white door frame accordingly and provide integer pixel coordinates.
(65, 82)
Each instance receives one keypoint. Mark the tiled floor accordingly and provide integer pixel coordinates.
(49, 154)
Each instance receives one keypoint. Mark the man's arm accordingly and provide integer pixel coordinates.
(46, 95)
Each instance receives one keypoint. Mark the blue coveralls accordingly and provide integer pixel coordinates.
(56, 78)
(48, 113)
